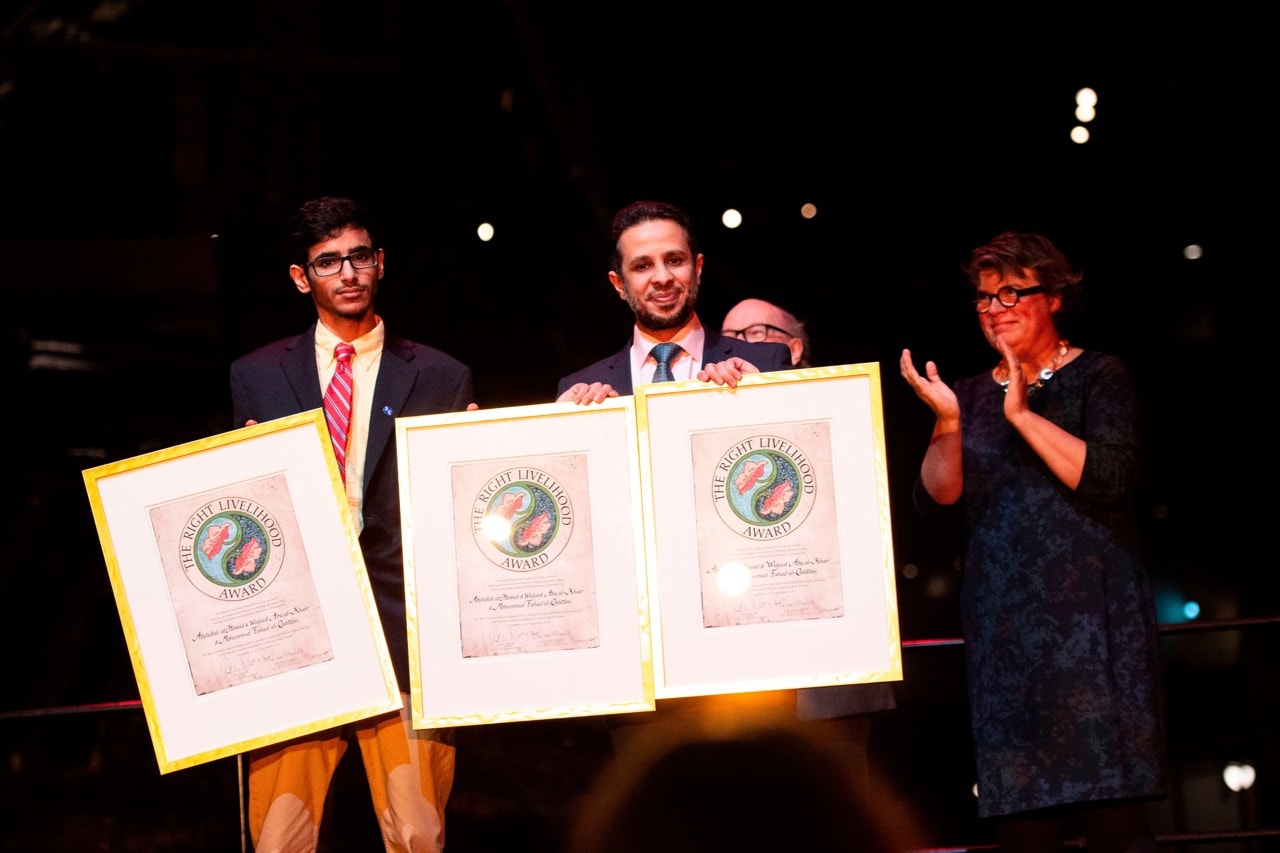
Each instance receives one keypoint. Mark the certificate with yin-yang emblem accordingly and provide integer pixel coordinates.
(769, 544)
(524, 564)
(768, 549)
(241, 586)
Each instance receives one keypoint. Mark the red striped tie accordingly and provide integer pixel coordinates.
(337, 405)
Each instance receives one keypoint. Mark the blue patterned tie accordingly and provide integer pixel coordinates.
(664, 354)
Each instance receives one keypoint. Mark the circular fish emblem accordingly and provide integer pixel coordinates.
(233, 553)
(523, 523)
(768, 491)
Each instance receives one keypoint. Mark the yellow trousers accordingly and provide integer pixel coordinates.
(410, 775)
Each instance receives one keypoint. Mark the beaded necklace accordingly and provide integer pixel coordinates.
(1045, 374)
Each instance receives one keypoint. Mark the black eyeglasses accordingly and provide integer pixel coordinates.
(1008, 296)
(755, 333)
(330, 265)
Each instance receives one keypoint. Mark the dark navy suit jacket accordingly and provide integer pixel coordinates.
(281, 379)
(616, 369)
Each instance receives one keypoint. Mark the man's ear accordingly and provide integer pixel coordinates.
(616, 281)
(797, 349)
(300, 280)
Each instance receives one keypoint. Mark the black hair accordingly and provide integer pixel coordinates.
(322, 218)
(645, 211)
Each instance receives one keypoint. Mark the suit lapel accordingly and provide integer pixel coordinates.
(300, 370)
(395, 381)
(620, 372)
(714, 348)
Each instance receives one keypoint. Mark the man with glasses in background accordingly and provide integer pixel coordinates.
(756, 320)
(337, 261)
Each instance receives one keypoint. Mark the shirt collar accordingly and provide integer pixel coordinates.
(691, 338)
(367, 345)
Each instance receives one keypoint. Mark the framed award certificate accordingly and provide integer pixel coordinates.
(769, 549)
(524, 564)
(241, 590)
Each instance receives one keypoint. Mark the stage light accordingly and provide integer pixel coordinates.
(937, 586)
(1193, 252)
(1172, 607)
(485, 232)
(1086, 101)
(1239, 777)
(1191, 610)
(731, 218)
(808, 211)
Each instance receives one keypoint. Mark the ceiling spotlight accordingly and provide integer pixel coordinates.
(1239, 777)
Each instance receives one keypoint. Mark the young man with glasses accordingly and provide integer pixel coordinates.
(337, 261)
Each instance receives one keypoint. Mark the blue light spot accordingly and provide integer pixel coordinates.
(1171, 606)
(1191, 609)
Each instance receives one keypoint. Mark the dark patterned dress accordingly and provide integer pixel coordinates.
(1058, 617)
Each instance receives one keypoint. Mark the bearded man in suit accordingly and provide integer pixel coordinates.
(657, 269)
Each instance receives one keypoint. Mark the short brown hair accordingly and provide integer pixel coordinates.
(1011, 252)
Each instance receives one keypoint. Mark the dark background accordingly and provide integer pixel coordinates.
(151, 151)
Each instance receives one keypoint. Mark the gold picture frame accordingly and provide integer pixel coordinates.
(241, 590)
(524, 564)
(770, 548)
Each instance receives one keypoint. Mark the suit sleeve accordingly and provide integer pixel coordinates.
(466, 394)
(240, 411)
(766, 356)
